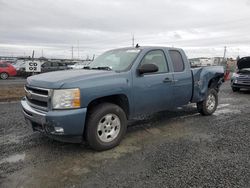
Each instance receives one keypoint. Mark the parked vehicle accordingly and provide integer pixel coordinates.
(45, 67)
(6, 70)
(241, 79)
(95, 103)
(79, 65)
(20, 68)
(19, 64)
(53, 66)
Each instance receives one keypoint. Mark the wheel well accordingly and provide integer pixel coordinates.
(213, 83)
(4, 72)
(120, 100)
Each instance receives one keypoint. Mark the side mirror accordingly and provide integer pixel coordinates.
(148, 68)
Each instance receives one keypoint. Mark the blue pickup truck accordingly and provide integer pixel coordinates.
(94, 103)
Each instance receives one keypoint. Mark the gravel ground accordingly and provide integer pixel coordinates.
(12, 89)
(168, 149)
(13, 81)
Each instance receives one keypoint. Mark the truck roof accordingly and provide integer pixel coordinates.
(151, 47)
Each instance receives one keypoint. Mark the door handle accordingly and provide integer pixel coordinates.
(167, 80)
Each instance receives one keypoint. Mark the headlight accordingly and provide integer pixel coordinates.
(66, 99)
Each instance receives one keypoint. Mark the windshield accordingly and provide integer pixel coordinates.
(19, 63)
(117, 60)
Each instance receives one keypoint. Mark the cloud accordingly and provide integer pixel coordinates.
(99, 25)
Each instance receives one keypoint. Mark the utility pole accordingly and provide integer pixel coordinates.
(224, 61)
(78, 49)
(225, 51)
(42, 52)
(72, 52)
(33, 54)
(133, 41)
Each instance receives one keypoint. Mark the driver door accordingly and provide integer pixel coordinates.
(153, 92)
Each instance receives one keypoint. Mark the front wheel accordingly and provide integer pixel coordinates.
(209, 104)
(106, 126)
(4, 75)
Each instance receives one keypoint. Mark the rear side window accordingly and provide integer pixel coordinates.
(47, 64)
(177, 61)
(62, 64)
(3, 65)
(55, 64)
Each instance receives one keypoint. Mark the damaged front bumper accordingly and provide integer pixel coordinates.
(61, 125)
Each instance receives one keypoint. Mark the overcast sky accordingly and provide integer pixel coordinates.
(201, 27)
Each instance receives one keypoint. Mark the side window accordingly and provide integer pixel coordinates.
(3, 65)
(55, 64)
(177, 61)
(47, 64)
(156, 57)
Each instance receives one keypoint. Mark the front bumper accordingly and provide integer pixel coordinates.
(62, 125)
(237, 84)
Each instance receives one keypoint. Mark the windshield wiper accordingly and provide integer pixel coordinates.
(102, 68)
(86, 67)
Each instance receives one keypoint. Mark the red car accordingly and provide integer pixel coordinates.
(6, 70)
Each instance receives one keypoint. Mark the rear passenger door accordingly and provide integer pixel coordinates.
(183, 81)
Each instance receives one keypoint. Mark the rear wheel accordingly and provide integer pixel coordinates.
(209, 104)
(106, 126)
(235, 89)
(4, 75)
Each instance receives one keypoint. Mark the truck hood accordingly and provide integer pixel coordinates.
(243, 63)
(55, 80)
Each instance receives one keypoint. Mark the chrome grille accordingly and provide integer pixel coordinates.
(244, 79)
(38, 97)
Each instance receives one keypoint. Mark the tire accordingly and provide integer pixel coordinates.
(4, 76)
(106, 126)
(209, 104)
(235, 89)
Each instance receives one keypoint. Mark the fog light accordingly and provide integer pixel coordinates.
(59, 130)
(235, 81)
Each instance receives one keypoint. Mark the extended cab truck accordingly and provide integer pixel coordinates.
(94, 103)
